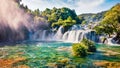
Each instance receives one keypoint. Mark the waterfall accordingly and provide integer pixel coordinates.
(43, 35)
(71, 36)
(79, 35)
(76, 34)
(110, 40)
(59, 33)
(65, 36)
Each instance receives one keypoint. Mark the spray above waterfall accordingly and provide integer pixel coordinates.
(14, 22)
(11, 15)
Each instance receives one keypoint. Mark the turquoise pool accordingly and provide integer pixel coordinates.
(53, 54)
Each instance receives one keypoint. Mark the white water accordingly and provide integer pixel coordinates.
(43, 35)
(110, 41)
(59, 33)
(76, 34)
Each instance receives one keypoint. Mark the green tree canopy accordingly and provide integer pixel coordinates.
(61, 16)
(111, 22)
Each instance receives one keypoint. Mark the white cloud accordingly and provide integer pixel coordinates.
(89, 6)
(89, 3)
(81, 6)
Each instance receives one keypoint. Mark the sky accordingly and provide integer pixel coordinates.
(80, 6)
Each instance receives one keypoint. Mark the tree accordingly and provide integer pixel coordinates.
(69, 21)
(36, 12)
(54, 15)
(111, 22)
(57, 24)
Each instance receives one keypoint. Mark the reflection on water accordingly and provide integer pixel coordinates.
(53, 54)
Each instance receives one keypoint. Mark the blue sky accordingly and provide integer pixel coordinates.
(80, 6)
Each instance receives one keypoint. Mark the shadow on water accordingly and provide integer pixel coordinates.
(100, 55)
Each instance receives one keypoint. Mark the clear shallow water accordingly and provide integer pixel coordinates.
(53, 54)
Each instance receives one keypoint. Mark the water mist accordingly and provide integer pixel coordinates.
(14, 22)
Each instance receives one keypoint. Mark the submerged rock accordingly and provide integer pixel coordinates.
(107, 64)
(62, 48)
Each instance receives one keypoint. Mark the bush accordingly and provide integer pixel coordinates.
(79, 49)
(90, 44)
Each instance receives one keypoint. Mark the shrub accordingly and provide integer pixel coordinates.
(90, 44)
(79, 49)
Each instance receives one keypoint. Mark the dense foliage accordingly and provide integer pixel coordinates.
(68, 22)
(111, 22)
(81, 49)
(61, 16)
(90, 45)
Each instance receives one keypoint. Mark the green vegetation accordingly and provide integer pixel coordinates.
(90, 44)
(68, 22)
(61, 16)
(111, 22)
(81, 49)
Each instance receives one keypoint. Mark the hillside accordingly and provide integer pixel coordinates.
(92, 17)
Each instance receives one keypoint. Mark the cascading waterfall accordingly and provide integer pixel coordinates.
(59, 33)
(43, 35)
(110, 40)
(76, 34)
